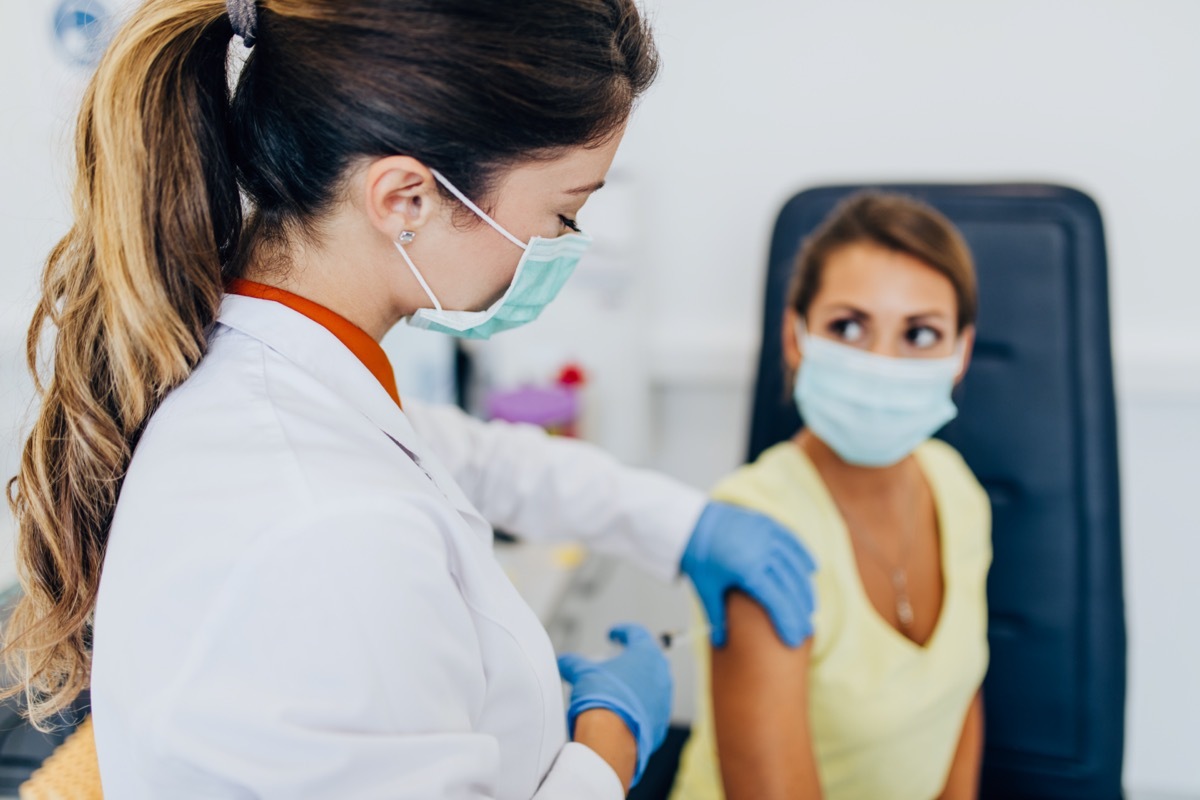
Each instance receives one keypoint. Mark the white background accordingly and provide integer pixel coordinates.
(761, 98)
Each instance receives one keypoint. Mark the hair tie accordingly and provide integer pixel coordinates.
(243, 15)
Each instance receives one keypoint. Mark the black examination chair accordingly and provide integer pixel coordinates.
(1037, 424)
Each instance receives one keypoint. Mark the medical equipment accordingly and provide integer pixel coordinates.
(872, 410)
(669, 639)
(545, 266)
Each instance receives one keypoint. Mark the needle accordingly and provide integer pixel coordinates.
(669, 639)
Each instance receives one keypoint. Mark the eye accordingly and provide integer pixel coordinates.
(569, 223)
(848, 330)
(923, 337)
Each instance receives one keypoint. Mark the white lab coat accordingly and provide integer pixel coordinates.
(300, 599)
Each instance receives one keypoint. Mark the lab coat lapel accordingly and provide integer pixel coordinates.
(317, 351)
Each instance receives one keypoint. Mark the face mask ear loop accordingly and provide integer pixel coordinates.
(960, 353)
(417, 274)
(466, 201)
(801, 334)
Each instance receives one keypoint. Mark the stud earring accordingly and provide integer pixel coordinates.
(406, 237)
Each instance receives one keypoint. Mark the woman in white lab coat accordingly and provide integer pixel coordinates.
(275, 574)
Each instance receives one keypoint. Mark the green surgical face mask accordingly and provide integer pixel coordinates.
(542, 271)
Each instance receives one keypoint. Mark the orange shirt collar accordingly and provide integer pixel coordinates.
(358, 341)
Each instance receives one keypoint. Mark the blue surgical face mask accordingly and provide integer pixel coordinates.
(872, 410)
(542, 271)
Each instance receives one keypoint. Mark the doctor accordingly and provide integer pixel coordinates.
(276, 574)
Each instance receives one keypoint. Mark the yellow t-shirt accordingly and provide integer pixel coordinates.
(886, 714)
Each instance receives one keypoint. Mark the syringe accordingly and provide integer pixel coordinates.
(668, 639)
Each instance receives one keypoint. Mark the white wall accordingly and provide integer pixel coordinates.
(761, 98)
(39, 86)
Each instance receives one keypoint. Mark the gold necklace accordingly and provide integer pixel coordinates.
(897, 573)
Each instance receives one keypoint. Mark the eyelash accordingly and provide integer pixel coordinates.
(570, 223)
(913, 333)
(841, 327)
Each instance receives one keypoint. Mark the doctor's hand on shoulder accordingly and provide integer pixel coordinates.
(735, 548)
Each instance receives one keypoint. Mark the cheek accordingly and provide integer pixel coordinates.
(943, 349)
(478, 267)
(498, 265)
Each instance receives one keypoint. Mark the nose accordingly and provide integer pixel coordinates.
(888, 346)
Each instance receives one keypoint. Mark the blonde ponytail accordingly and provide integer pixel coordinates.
(130, 293)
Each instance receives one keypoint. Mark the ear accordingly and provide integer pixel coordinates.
(792, 355)
(967, 342)
(401, 194)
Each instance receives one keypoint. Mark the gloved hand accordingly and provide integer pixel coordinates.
(735, 548)
(636, 685)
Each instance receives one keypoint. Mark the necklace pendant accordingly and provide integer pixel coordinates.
(904, 611)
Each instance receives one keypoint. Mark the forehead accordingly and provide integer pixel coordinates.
(879, 280)
(577, 167)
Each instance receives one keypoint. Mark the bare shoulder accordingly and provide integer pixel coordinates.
(760, 709)
(753, 645)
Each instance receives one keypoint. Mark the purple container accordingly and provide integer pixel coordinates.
(555, 408)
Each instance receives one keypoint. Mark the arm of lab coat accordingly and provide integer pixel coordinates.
(547, 488)
(342, 661)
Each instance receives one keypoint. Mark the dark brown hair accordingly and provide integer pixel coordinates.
(165, 155)
(896, 222)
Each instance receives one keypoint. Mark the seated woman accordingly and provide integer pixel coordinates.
(883, 703)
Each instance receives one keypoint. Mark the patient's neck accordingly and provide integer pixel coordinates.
(877, 481)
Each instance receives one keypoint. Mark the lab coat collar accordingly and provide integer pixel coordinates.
(313, 348)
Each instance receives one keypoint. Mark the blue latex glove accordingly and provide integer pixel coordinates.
(735, 548)
(636, 685)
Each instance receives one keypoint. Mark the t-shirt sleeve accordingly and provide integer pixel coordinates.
(968, 501)
(969, 510)
(780, 485)
(774, 487)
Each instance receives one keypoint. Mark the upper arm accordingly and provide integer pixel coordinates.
(760, 709)
(551, 488)
(341, 661)
(962, 782)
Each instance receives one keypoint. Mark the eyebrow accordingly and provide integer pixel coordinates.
(858, 312)
(852, 309)
(591, 187)
(928, 315)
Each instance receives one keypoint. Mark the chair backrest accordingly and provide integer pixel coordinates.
(1037, 424)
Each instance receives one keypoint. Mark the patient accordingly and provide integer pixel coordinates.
(883, 703)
